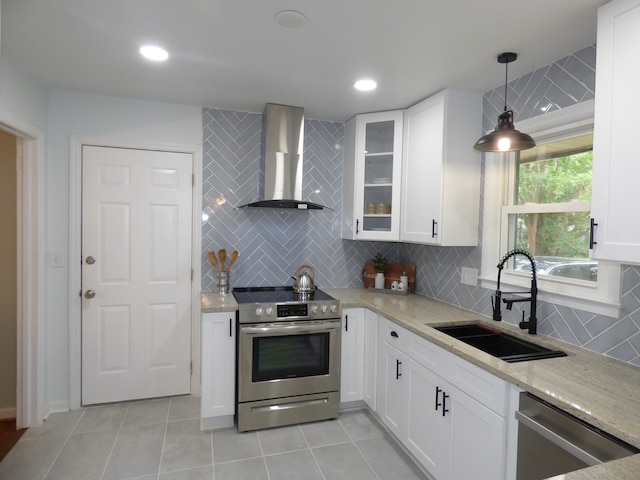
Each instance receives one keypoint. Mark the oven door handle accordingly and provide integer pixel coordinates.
(289, 329)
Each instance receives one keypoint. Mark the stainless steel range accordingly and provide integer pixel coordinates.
(288, 357)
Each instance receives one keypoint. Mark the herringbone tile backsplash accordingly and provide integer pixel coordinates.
(272, 242)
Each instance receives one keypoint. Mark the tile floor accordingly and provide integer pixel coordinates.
(161, 440)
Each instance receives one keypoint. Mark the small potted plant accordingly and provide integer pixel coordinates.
(380, 263)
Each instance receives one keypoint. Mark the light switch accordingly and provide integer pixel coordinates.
(56, 259)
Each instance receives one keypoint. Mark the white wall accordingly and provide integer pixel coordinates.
(84, 115)
(22, 97)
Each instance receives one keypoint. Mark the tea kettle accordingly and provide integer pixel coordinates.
(304, 280)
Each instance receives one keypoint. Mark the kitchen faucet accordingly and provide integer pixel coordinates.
(532, 323)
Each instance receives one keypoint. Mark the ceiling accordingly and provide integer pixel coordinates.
(232, 54)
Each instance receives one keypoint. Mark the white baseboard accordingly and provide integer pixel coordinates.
(58, 407)
(212, 423)
(8, 413)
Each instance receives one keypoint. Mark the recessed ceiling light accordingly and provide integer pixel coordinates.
(290, 18)
(365, 85)
(154, 53)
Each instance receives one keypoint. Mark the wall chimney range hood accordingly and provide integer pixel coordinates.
(283, 135)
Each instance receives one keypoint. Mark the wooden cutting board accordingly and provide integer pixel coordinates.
(394, 270)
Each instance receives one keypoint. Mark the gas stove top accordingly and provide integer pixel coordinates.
(258, 304)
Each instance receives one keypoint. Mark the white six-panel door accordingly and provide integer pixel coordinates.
(136, 287)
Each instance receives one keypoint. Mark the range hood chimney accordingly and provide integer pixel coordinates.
(283, 135)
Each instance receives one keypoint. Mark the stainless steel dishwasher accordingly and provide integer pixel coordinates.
(552, 442)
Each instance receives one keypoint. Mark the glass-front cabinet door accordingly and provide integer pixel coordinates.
(373, 155)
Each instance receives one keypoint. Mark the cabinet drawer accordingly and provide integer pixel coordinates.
(394, 334)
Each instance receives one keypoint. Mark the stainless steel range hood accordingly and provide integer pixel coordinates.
(283, 135)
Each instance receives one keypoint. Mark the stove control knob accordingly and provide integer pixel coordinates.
(334, 308)
(269, 311)
(259, 312)
(314, 309)
(324, 309)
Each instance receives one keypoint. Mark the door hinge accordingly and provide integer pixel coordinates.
(192, 274)
(193, 179)
(191, 368)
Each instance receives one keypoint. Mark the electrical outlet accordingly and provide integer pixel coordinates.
(469, 276)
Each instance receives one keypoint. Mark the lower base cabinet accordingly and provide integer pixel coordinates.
(218, 365)
(453, 435)
(359, 350)
(352, 355)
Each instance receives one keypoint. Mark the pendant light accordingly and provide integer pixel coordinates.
(505, 137)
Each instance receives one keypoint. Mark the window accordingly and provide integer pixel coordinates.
(548, 207)
(540, 200)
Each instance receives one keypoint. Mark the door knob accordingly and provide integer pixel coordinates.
(90, 260)
(89, 294)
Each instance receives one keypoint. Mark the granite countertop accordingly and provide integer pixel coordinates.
(602, 391)
(212, 302)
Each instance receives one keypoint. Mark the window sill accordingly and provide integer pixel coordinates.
(578, 302)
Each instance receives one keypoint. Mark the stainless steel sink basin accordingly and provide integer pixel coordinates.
(499, 344)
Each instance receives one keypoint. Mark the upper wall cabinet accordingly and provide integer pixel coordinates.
(615, 194)
(371, 179)
(441, 171)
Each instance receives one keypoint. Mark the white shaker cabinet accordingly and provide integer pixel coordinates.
(450, 433)
(370, 358)
(392, 389)
(616, 169)
(352, 356)
(450, 414)
(218, 369)
(371, 177)
(441, 170)
(358, 356)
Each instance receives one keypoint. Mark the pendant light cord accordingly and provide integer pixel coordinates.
(506, 77)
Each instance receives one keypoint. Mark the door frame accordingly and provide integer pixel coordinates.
(75, 252)
(31, 405)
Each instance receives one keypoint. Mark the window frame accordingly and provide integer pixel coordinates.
(601, 297)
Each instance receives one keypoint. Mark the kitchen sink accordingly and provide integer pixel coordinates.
(499, 344)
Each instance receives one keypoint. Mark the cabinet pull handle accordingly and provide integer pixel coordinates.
(230, 327)
(393, 334)
(357, 226)
(398, 374)
(438, 404)
(591, 233)
(433, 228)
(444, 403)
(346, 323)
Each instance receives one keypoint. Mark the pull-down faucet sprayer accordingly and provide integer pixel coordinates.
(496, 299)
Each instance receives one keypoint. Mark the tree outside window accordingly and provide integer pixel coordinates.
(550, 211)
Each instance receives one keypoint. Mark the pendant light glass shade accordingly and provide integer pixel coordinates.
(505, 137)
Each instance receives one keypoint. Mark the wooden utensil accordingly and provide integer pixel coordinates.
(234, 256)
(222, 256)
(214, 260)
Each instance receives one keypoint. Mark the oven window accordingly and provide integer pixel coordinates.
(290, 356)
